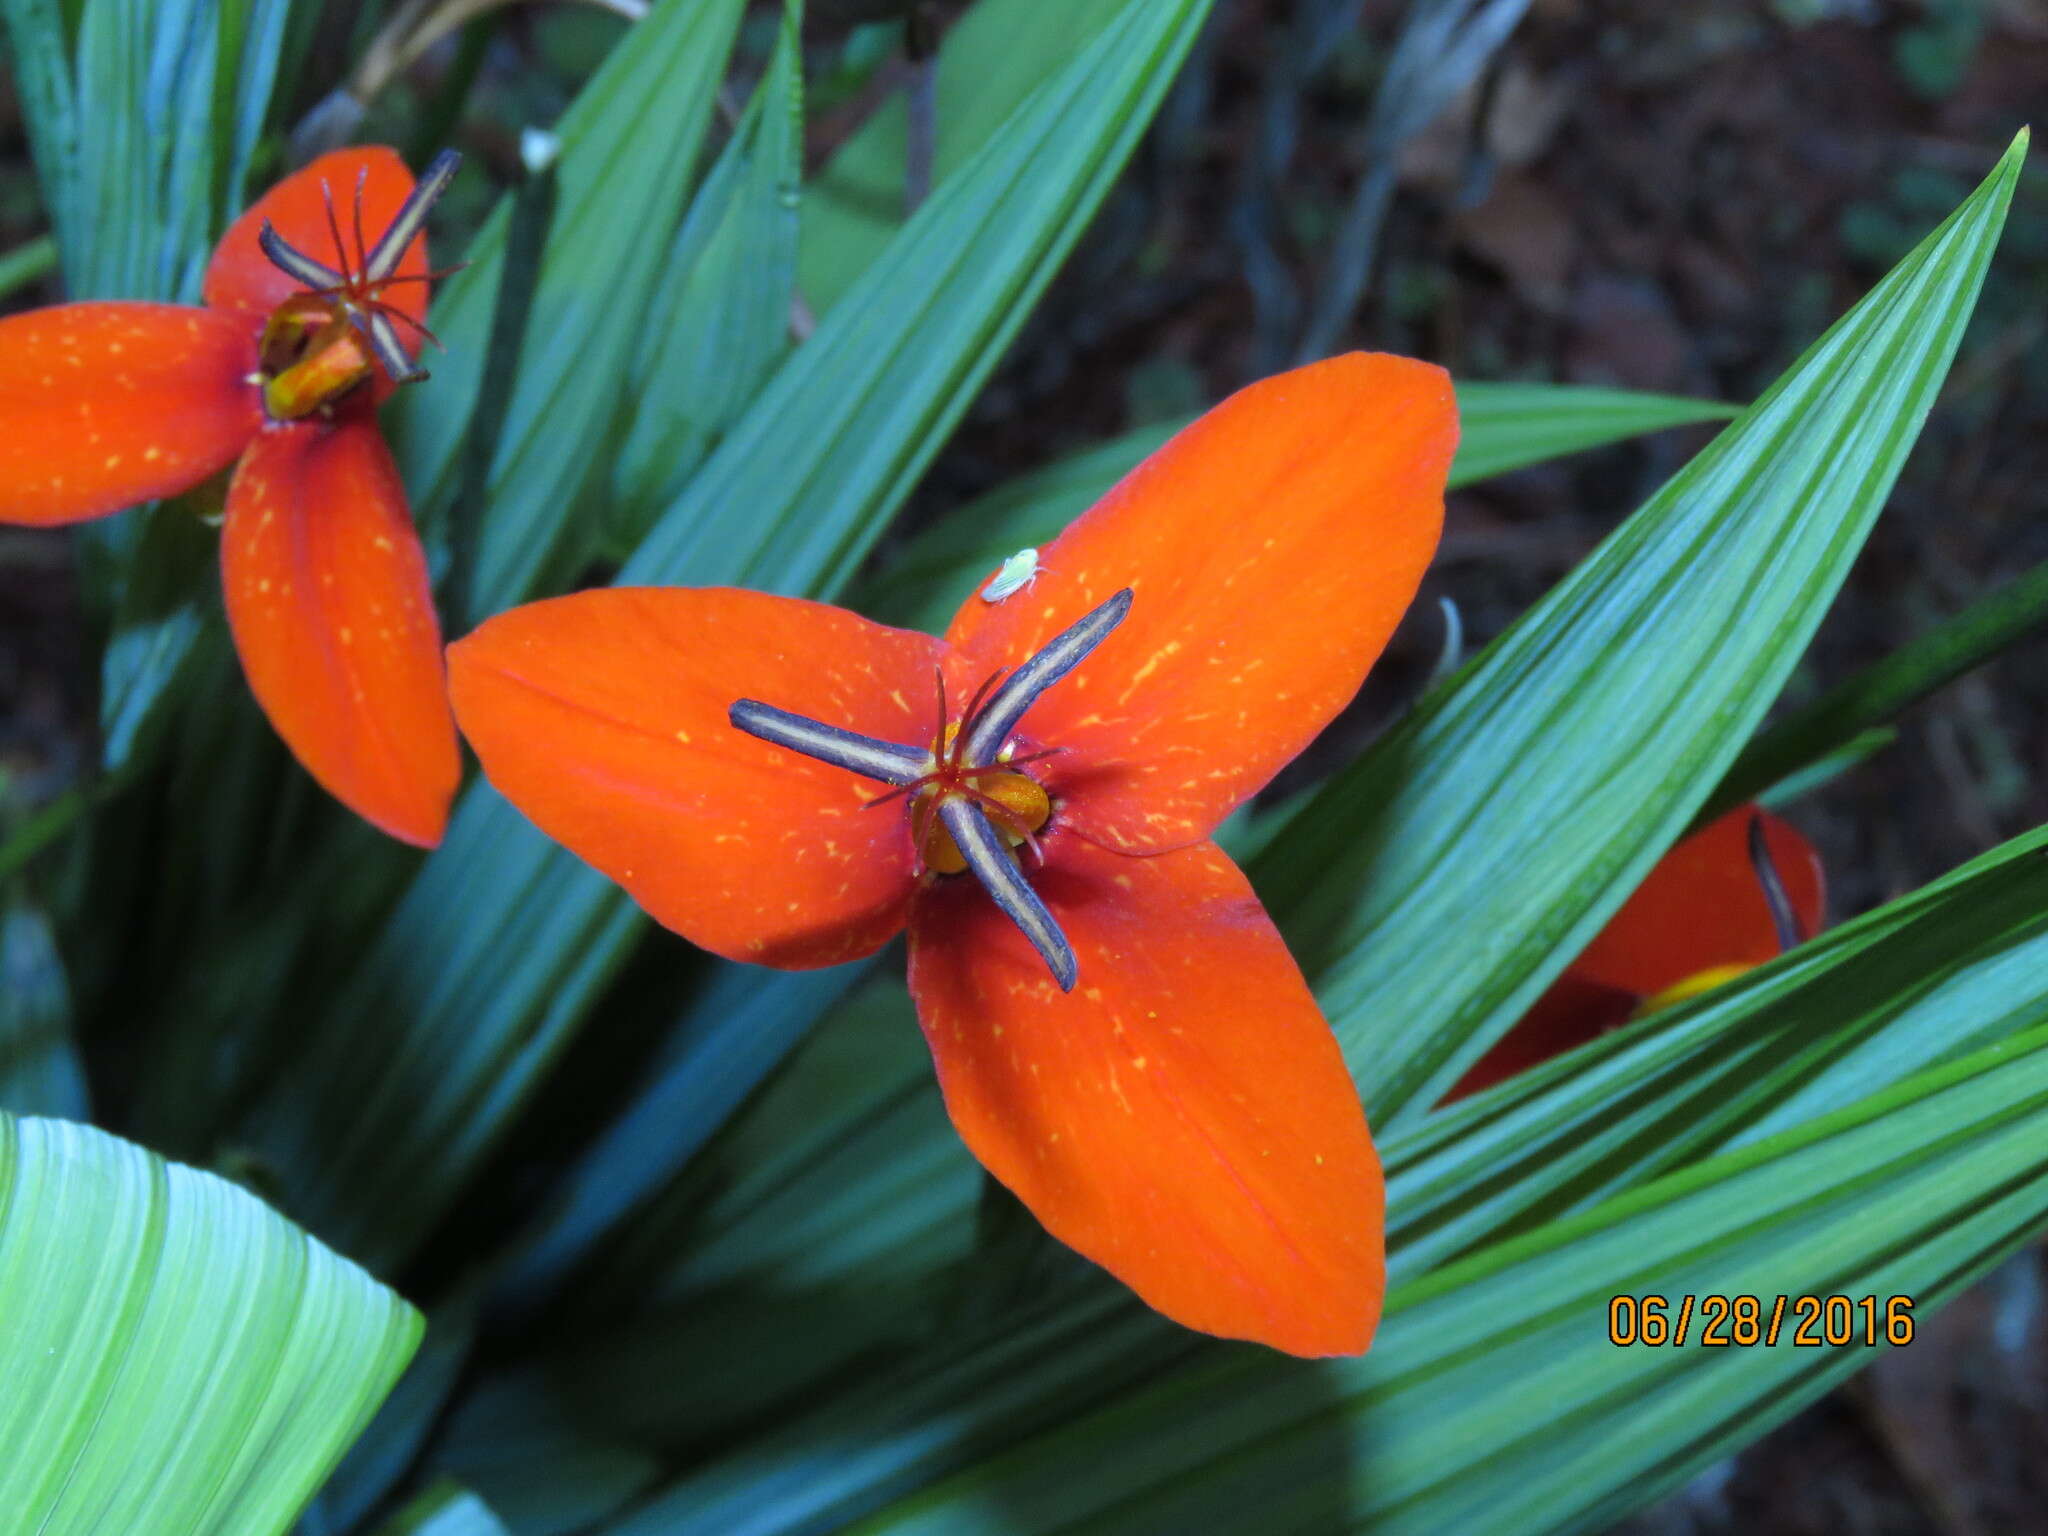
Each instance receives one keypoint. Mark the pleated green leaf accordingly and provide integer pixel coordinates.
(393, 1440)
(504, 942)
(1949, 969)
(1833, 722)
(723, 320)
(143, 130)
(446, 1509)
(1508, 426)
(1502, 427)
(1518, 807)
(628, 161)
(846, 1201)
(798, 493)
(1494, 1401)
(991, 58)
(177, 1356)
(732, 1036)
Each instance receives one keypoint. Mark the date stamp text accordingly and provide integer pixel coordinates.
(1722, 1322)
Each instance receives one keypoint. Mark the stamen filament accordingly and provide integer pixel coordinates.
(384, 257)
(939, 730)
(1064, 652)
(362, 257)
(864, 755)
(383, 337)
(334, 228)
(974, 707)
(999, 875)
(296, 264)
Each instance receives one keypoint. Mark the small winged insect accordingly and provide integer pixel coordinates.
(1018, 572)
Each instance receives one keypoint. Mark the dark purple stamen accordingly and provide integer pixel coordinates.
(372, 269)
(1776, 897)
(991, 715)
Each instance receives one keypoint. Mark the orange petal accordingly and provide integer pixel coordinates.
(1572, 1011)
(1183, 1117)
(240, 277)
(603, 717)
(327, 593)
(1702, 907)
(107, 405)
(1272, 547)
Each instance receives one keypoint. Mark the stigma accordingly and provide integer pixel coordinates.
(970, 806)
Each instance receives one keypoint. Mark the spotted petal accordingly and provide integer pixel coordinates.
(1700, 914)
(604, 716)
(1183, 1116)
(1271, 546)
(107, 405)
(1702, 907)
(328, 597)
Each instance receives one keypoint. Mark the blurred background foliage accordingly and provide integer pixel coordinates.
(648, 1314)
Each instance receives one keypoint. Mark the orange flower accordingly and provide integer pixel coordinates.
(1120, 1034)
(1736, 893)
(303, 333)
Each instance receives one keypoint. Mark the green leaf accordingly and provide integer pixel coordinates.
(990, 60)
(1502, 427)
(391, 1444)
(716, 1055)
(164, 614)
(1520, 804)
(1880, 693)
(796, 496)
(628, 160)
(1493, 1400)
(446, 1509)
(39, 1070)
(504, 942)
(140, 185)
(837, 1169)
(1510, 426)
(177, 1356)
(715, 334)
(1946, 970)
(29, 262)
(1803, 781)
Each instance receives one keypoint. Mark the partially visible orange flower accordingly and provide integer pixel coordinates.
(303, 332)
(1121, 1036)
(1704, 914)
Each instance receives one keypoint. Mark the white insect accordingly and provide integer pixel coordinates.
(1018, 572)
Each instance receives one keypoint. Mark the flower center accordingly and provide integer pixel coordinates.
(319, 345)
(1015, 804)
(970, 807)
